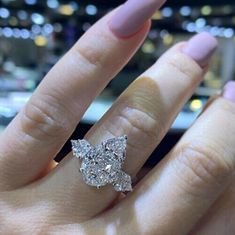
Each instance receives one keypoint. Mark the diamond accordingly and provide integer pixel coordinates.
(123, 182)
(99, 168)
(102, 164)
(80, 148)
(118, 146)
(108, 168)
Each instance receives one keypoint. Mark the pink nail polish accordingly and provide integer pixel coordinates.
(200, 48)
(229, 91)
(131, 16)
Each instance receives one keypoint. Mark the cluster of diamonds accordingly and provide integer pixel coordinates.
(102, 165)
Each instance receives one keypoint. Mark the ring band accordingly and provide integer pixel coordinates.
(102, 164)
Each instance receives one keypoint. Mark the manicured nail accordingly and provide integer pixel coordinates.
(229, 91)
(200, 48)
(131, 16)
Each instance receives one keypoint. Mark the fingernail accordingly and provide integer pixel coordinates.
(229, 91)
(201, 48)
(131, 16)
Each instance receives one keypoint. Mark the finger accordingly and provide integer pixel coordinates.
(219, 219)
(51, 115)
(193, 175)
(144, 112)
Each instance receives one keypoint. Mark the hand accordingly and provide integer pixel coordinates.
(189, 191)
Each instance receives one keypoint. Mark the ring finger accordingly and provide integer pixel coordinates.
(144, 112)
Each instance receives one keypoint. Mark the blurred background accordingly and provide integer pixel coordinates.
(34, 34)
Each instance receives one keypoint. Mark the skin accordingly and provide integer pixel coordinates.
(190, 192)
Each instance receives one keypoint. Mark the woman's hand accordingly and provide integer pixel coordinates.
(189, 191)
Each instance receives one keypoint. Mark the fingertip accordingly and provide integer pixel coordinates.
(131, 16)
(200, 48)
(142, 31)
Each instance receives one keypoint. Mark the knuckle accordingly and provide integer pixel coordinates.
(92, 57)
(202, 166)
(182, 66)
(44, 116)
(141, 111)
(141, 121)
(135, 122)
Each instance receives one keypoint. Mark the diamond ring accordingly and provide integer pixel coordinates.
(102, 164)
